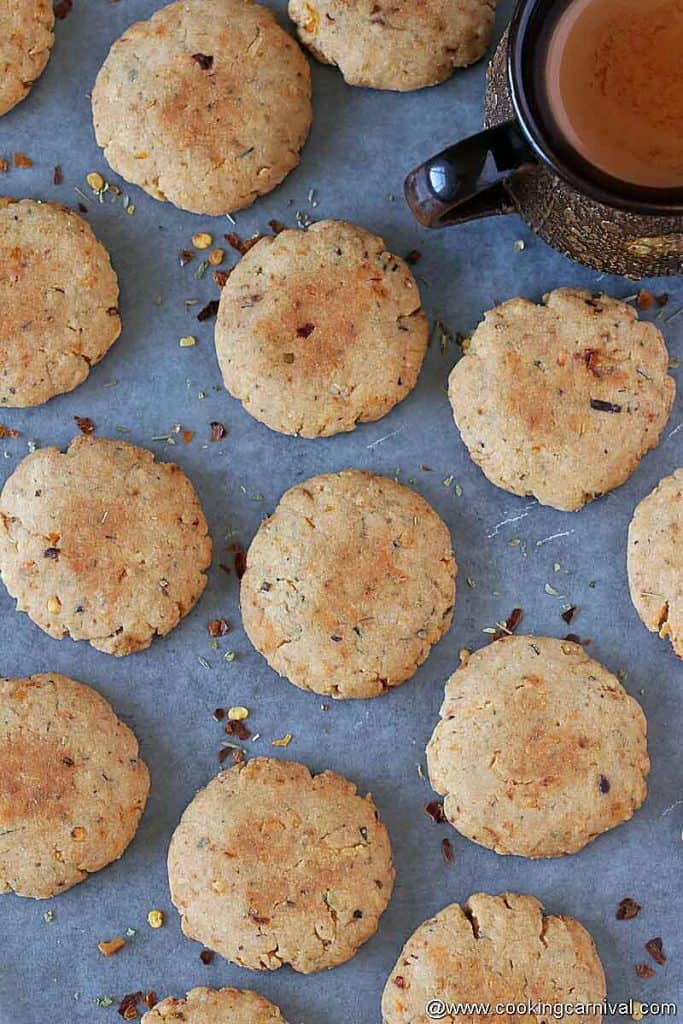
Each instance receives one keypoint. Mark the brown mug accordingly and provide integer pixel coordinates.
(518, 164)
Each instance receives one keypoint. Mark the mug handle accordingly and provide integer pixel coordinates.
(469, 180)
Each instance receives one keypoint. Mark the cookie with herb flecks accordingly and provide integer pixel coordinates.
(349, 584)
(655, 560)
(320, 330)
(72, 786)
(102, 543)
(562, 400)
(401, 45)
(539, 748)
(496, 949)
(25, 43)
(59, 299)
(207, 104)
(216, 1006)
(271, 865)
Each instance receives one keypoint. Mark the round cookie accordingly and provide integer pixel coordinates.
(562, 400)
(320, 330)
(59, 299)
(216, 1006)
(401, 45)
(271, 865)
(72, 785)
(207, 104)
(102, 543)
(25, 44)
(348, 584)
(495, 949)
(655, 560)
(539, 748)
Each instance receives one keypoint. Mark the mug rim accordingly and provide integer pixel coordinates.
(577, 172)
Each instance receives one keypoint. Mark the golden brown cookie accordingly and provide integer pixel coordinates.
(539, 748)
(25, 43)
(562, 400)
(102, 543)
(320, 330)
(395, 44)
(216, 1006)
(271, 865)
(495, 949)
(72, 785)
(59, 300)
(348, 584)
(655, 560)
(207, 104)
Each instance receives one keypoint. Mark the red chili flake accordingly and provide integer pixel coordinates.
(513, 620)
(85, 424)
(223, 753)
(62, 8)
(568, 613)
(237, 729)
(187, 436)
(276, 226)
(218, 431)
(305, 330)
(113, 311)
(662, 299)
(600, 406)
(151, 999)
(645, 299)
(204, 60)
(447, 850)
(413, 257)
(68, 761)
(219, 714)
(240, 563)
(209, 311)
(8, 432)
(644, 971)
(57, 175)
(604, 784)
(184, 257)
(221, 277)
(627, 909)
(128, 1007)
(21, 160)
(206, 956)
(656, 950)
(218, 627)
(435, 811)
(400, 981)
(4, 166)
(591, 357)
(241, 245)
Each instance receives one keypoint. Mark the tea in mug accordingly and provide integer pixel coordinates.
(614, 87)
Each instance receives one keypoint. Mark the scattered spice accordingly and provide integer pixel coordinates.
(4, 166)
(238, 713)
(62, 8)
(209, 311)
(400, 981)
(284, 741)
(96, 181)
(604, 784)
(216, 257)
(21, 160)
(218, 431)
(434, 809)
(241, 245)
(568, 613)
(218, 627)
(238, 729)
(188, 341)
(185, 256)
(57, 175)
(645, 299)
(656, 950)
(84, 424)
(276, 226)
(662, 300)
(627, 909)
(413, 257)
(240, 563)
(600, 406)
(506, 628)
(447, 850)
(202, 240)
(155, 918)
(305, 330)
(644, 971)
(221, 277)
(112, 946)
(8, 432)
(206, 956)
(128, 1007)
(204, 60)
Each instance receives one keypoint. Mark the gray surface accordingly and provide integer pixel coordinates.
(361, 145)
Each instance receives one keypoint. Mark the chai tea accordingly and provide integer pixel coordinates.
(614, 86)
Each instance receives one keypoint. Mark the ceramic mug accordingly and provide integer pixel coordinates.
(519, 164)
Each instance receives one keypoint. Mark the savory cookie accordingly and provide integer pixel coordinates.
(271, 865)
(25, 43)
(216, 1006)
(655, 560)
(562, 400)
(348, 584)
(319, 330)
(207, 104)
(395, 44)
(59, 300)
(72, 786)
(539, 748)
(102, 543)
(495, 949)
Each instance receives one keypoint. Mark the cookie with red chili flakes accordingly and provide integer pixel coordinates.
(72, 786)
(320, 330)
(216, 1006)
(102, 543)
(562, 400)
(539, 748)
(59, 299)
(271, 865)
(207, 104)
(26, 39)
(395, 44)
(495, 949)
(349, 584)
(655, 560)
